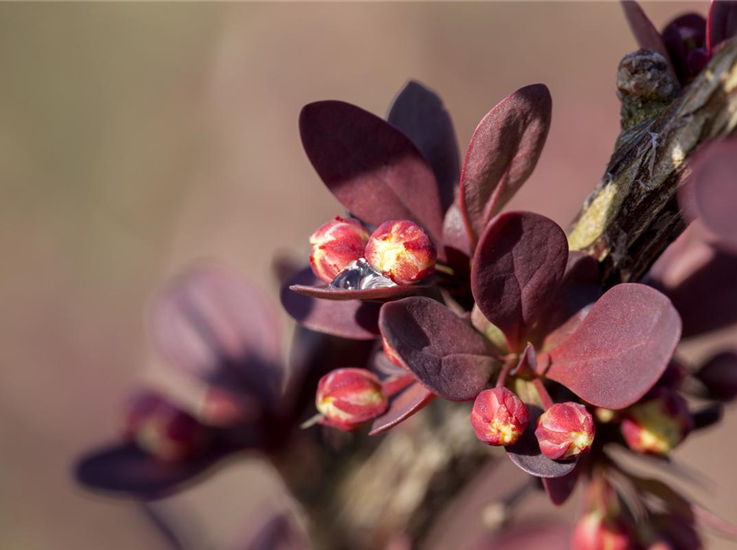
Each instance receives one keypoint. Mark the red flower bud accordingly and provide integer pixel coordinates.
(596, 532)
(565, 430)
(499, 417)
(658, 423)
(163, 430)
(402, 251)
(347, 398)
(335, 245)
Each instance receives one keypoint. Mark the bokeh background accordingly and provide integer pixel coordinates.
(135, 138)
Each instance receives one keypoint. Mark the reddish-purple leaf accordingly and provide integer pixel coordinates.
(526, 452)
(401, 407)
(347, 319)
(125, 469)
(559, 489)
(708, 416)
(372, 168)
(578, 293)
(721, 24)
(517, 268)
(420, 114)
(442, 350)
(214, 324)
(381, 294)
(503, 153)
(645, 33)
(712, 187)
(621, 348)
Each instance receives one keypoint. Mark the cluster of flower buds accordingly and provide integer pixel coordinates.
(565, 430)
(163, 430)
(499, 417)
(348, 398)
(658, 423)
(399, 249)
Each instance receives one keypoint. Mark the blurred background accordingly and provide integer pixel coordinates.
(135, 138)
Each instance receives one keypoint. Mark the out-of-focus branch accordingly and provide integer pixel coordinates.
(632, 214)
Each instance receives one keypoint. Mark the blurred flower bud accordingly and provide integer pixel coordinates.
(499, 417)
(605, 416)
(565, 430)
(658, 423)
(335, 245)
(163, 430)
(719, 375)
(402, 251)
(597, 532)
(347, 398)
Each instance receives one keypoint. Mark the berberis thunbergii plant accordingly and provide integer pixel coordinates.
(560, 347)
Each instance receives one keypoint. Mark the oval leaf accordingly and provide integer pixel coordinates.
(645, 33)
(621, 348)
(347, 319)
(372, 168)
(559, 489)
(443, 351)
(125, 469)
(527, 456)
(420, 114)
(212, 323)
(517, 268)
(503, 153)
(722, 23)
(405, 404)
(714, 191)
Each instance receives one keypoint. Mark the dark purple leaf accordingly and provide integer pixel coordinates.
(537, 534)
(420, 114)
(517, 268)
(713, 188)
(719, 376)
(370, 294)
(401, 407)
(347, 319)
(621, 348)
(125, 469)
(685, 40)
(213, 324)
(442, 350)
(372, 168)
(645, 33)
(708, 416)
(503, 153)
(559, 489)
(722, 23)
(456, 242)
(526, 452)
(577, 294)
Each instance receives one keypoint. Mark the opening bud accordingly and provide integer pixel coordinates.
(335, 245)
(163, 430)
(499, 417)
(402, 251)
(595, 531)
(658, 423)
(348, 398)
(565, 430)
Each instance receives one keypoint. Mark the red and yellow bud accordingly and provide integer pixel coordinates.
(657, 424)
(499, 417)
(348, 398)
(163, 430)
(335, 245)
(597, 532)
(402, 251)
(565, 430)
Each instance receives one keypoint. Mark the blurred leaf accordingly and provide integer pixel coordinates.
(401, 407)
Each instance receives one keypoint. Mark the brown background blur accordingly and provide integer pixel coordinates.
(137, 137)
